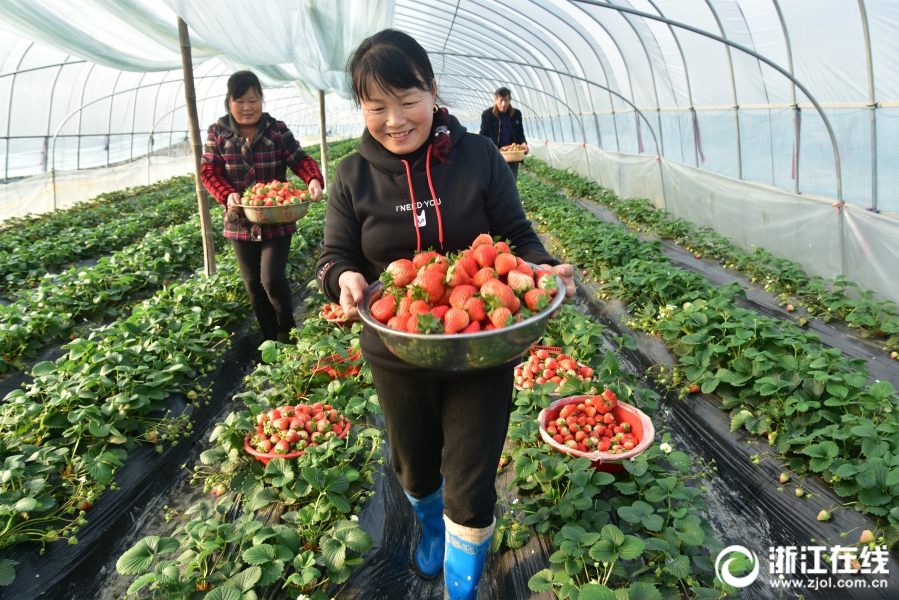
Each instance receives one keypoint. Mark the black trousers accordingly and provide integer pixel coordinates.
(514, 167)
(452, 429)
(262, 267)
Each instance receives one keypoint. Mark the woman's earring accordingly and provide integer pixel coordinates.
(436, 108)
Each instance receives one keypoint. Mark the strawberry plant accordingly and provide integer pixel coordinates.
(836, 298)
(814, 405)
(24, 261)
(643, 531)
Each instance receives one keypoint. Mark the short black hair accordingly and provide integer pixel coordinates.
(239, 83)
(390, 60)
(502, 92)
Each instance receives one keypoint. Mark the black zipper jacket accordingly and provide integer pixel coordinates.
(370, 221)
(490, 123)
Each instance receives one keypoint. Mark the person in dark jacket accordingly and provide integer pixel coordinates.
(243, 147)
(503, 124)
(419, 180)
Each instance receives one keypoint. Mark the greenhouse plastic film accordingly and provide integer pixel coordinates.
(801, 229)
(35, 194)
(871, 251)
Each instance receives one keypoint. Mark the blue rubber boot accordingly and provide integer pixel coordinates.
(428, 559)
(466, 553)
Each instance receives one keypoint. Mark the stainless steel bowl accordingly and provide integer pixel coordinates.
(272, 215)
(460, 351)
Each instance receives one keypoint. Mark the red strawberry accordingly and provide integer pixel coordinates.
(445, 299)
(460, 294)
(470, 265)
(516, 304)
(264, 446)
(524, 267)
(485, 254)
(489, 327)
(282, 447)
(398, 322)
(484, 238)
(610, 398)
(403, 308)
(519, 282)
(293, 437)
(422, 258)
(546, 280)
(504, 263)
(455, 320)
(536, 300)
(502, 247)
(473, 327)
(399, 273)
(438, 265)
(419, 307)
(440, 311)
(457, 275)
(384, 309)
(501, 317)
(483, 276)
(429, 283)
(503, 293)
(427, 323)
(475, 309)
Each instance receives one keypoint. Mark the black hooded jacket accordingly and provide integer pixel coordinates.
(369, 221)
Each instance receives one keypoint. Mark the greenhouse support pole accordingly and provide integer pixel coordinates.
(324, 133)
(190, 97)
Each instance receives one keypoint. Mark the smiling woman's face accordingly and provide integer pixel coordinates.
(246, 110)
(400, 120)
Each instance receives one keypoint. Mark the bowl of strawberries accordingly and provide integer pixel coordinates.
(477, 308)
(275, 202)
(548, 364)
(513, 152)
(597, 427)
(287, 432)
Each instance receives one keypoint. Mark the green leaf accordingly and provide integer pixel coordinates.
(680, 461)
(259, 555)
(891, 535)
(7, 571)
(643, 591)
(678, 565)
(737, 420)
(593, 591)
(246, 579)
(632, 548)
(613, 534)
(541, 581)
(334, 554)
(225, 592)
(873, 497)
(635, 512)
(42, 369)
(282, 471)
(143, 555)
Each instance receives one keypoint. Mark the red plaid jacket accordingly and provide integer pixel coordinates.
(231, 164)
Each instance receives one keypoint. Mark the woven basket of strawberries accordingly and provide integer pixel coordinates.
(597, 427)
(478, 308)
(287, 432)
(513, 152)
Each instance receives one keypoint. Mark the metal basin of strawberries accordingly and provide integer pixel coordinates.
(460, 351)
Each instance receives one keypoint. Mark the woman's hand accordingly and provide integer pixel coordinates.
(566, 272)
(315, 190)
(352, 285)
(525, 146)
(233, 201)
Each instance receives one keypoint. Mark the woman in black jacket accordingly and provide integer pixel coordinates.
(417, 181)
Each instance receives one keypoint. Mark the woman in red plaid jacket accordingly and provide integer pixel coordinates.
(243, 147)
